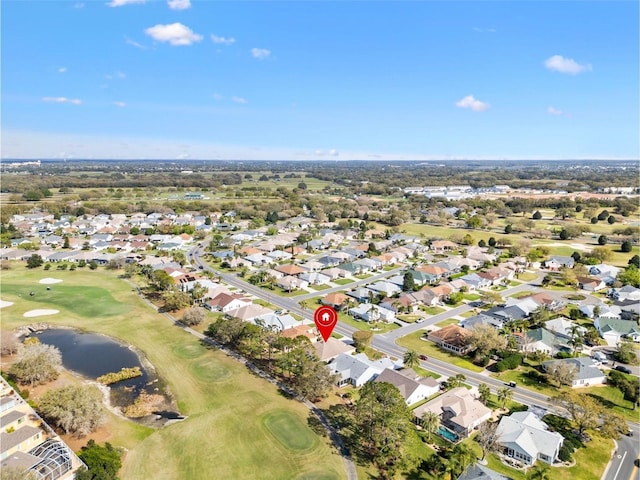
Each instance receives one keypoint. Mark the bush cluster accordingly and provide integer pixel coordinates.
(509, 362)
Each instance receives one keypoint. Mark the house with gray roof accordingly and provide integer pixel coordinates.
(556, 262)
(526, 438)
(388, 288)
(370, 312)
(357, 369)
(481, 319)
(412, 388)
(480, 472)
(541, 340)
(586, 373)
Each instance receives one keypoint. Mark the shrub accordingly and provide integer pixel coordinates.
(509, 363)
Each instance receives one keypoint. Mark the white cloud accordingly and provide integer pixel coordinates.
(175, 34)
(222, 40)
(334, 153)
(484, 30)
(217, 96)
(78, 5)
(128, 41)
(558, 63)
(62, 69)
(179, 4)
(74, 101)
(121, 3)
(554, 111)
(470, 102)
(239, 100)
(119, 75)
(120, 104)
(260, 53)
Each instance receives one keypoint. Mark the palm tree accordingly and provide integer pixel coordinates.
(303, 304)
(411, 359)
(485, 392)
(505, 394)
(539, 472)
(430, 422)
(461, 457)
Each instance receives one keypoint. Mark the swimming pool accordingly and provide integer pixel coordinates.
(447, 434)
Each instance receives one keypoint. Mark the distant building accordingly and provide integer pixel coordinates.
(193, 196)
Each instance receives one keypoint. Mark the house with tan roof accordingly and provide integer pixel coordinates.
(452, 338)
(225, 302)
(327, 351)
(290, 269)
(335, 300)
(441, 246)
(459, 411)
(249, 312)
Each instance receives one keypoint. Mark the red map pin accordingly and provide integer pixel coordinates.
(326, 318)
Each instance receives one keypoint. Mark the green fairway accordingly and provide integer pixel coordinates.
(289, 431)
(86, 301)
(224, 435)
(317, 476)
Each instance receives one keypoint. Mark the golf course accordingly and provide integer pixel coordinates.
(238, 425)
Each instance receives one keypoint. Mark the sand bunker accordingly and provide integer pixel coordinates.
(50, 280)
(5, 304)
(40, 312)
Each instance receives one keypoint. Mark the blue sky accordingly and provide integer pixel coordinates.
(320, 80)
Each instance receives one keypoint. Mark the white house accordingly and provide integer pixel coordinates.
(411, 387)
(372, 313)
(526, 438)
(615, 330)
(357, 370)
(586, 373)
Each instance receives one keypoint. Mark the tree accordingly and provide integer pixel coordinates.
(487, 437)
(66, 243)
(302, 186)
(103, 462)
(584, 410)
(626, 353)
(635, 260)
(411, 359)
(630, 276)
(484, 392)
(563, 373)
(492, 242)
(194, 316)
(175, 300)
(38, 364)
(490, 297)
(508, 229)
(537, 215)
(75, 409)
(601, 253)
(430, 422)
(459, 459)
(504, 394)
(612, 425)
(408, 283)
(161, 280)
(602, 240)
(362, 339)
(455, 381)
(382, 427)
(540, 471)
(475, 222)
(311, 377)
(484, 339)
(626, 247)
(611, 220)
(34, 261)
(564, 235)
(9, 343)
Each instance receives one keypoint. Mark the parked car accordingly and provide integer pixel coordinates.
(623, 369)
(512, 384)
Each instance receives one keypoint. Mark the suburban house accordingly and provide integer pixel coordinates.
(314, 278)
(249, 312)
(411, 386)
(327, 351)
(225, 302)
(290, 269)
(389, 289)
(442, 246)
(459, 410)
(591, 284)
(541, 340)
(481, 319)
(556, 262)
(615, 330)
(335, 300)
(587, 373)
(480, 472)
(452, 338)
(526, 438)
(606, 273)
(279, 322)
(475, 281)
(291, 283)
(628, 292)
(370, 312)
(357, 369)
(563, 327)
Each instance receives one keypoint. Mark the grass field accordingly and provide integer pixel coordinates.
(289, 431)
(413, 342)
(224, 435)
(343, 281)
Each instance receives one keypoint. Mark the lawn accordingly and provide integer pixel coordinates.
(432, 310)
(472, 297)
(224, 435)
(613, 399)
(523, 294)
(413, 342)
(380, 327)
(343, 281)
(448, 321)
(527, 276)
(319, 287)
(289, 431)
(408, 317)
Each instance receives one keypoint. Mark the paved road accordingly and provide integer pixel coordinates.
(622, 465)
(386, 344)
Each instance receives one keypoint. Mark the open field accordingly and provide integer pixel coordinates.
(224, 436)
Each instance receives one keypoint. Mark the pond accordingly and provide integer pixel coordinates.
(92, 355)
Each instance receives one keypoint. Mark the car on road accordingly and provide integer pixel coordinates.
(424, 357)
(512, 384)
(420, 320)
(201, 267)
(623, 369)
